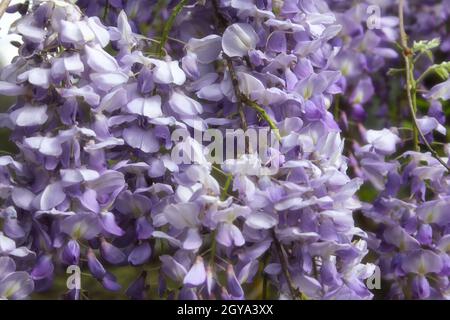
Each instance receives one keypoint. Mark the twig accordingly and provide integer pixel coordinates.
(3, 6)
(223, 196)
(221, 21)
(336, 108)
(427, 72)
(262, 113)
(222, 25)
(411, 87)
(105, 13)
(168, 26)
(407, 53)
(285, 266)
(224, 193)
(158, 40)
(241, 98)
(265, 277)
(237, 92)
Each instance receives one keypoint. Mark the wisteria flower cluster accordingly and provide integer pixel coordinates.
(124, 109)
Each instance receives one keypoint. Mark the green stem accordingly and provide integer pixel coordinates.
(263, 113)
(237, 92)
(432, 69)
(414, 112)
(285, 267)
(168, 26)
(411, 88)
(4, 152)
(410, 83)
(212, 255)
(105, 13)
(223, 196)
(3, 6)
(158, 8)
(427, 72)
(224, 193)
(264, 288)
(222, 25)
(241, 98)
(265, 278)
(336, 107)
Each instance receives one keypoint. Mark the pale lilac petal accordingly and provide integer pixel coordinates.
(422, 262)
(108, 182)
(197, 274)
(439, 91)
(39, 77)
(107, 81)
(206, 49)
(22, 198)
(140, 254)
(110, 225)
(168, 72)
(211, 93)
(182, 215)
(165, 236)
(7, 265)
(193, 240)
(16, 286)
(420, 287)
(111, 253)
(81, 225)
(11, 89)
(29, 115)
(429, 124)
(87, 92)
(260, 220)
(52, 196)
(229, 235)
(46, 146)
(75, 176)
(233, 285)
(22, 252)
(100, 31)
(73, 63)
(70, 33)
(175, 270)
(89, 200)
(144, 140)
(184, 105)
(44, 268)
(6, 244)
(30, 32)
(147, 107)
(238, 39)
(99, 60)
(384, 141)
(113, 100)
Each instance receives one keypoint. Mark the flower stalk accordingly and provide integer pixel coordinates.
(411, 88)
(295, 294)
(3, 6)
(168, 26)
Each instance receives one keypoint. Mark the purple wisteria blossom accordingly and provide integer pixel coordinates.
(411, 222)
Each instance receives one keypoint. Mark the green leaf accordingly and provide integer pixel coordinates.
(395, 71)
(442, 70)
(425, 46)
